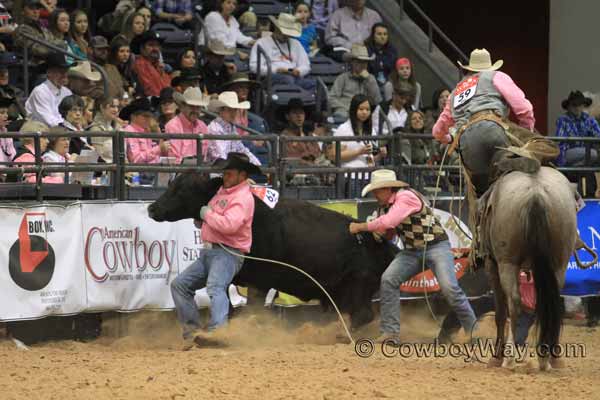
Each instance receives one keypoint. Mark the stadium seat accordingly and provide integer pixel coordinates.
(325, 68)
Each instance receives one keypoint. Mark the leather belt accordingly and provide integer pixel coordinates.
(210, 245)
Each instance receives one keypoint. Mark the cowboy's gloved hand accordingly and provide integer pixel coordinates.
(203, 211)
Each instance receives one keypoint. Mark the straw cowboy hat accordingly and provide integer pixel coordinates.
(239, 77)
(576, 98)
(238, 161)
(84, 70)
(217, 47)
(287, 24)
(228, 99)
(192, 97)
(383, 178)
(360, 52)
(481, 60)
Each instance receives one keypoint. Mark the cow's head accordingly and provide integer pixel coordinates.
(184, 197)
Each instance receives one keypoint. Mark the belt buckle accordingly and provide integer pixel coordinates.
(208, 245)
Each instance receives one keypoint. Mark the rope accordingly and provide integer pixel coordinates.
(305, 274)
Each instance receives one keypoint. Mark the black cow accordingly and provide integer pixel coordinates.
(299, 233)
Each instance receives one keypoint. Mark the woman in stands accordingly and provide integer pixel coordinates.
(59, 24)
(404, 72)
(385, 54)
(79, 34)
(147, 14)
(187, 59)
(359, 154)
(420, 150)
(309, 35)
(120, 56)
(71, 109)
(222, 25)
(438, 102)
(105, 120)
(58, 152)
(134, 26)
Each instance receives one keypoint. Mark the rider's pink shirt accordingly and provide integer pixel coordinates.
(512, 94)
(404, 203)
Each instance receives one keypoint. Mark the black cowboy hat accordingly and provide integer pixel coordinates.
(166, 96)
(57, 60)
(6, 102)
(33, 4)
(140, 105)
(140, 40)
(576, 98)
(237, 78)
(294, 103)
(238, 161)
(187, 75)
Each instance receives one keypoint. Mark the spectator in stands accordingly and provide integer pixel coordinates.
(421, 150)
(215, 71)
(349, 25)
(79, 34)
(142, 150)
(309, 36)
(42, 104)
(396, 109)
(59, 24)
(8, 91)
(321, 10)
(26, 154)
(134, 26)
(105, 120)
(404, 72)
(187, 59)
(85, 82)
(187, 77)
(6, 144)
(100, 50)
(385, 54)
(223, 26)
(167, 109)
(295, 114)
(71, 109)
(243, 13)
(356, 81)
(438, 102)
(176, 11)
(359, 154)
(48, 7)
(226, 105)
(190, 103)
(31, 26)
(88, 111)
(120, 57)
(57, 151)
(147, 14)
(577, 123)
(150, 72)
(289, 62)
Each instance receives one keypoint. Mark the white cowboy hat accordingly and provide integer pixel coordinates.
(84, 70)
(383, 178)
(480, 60)
(192, 97)
(360, 52)
(228, 99)
(287, 24)
(216, 46)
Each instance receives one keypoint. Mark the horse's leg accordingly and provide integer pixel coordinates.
(559, 362)
(500, 303)
(509, 280)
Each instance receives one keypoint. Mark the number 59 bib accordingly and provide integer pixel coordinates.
(465, 91)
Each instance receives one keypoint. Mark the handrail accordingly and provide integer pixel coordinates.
(260, 52)
(431, 28)
(199, 28)
(58, 50)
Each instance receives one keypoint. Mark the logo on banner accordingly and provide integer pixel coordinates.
(31, 258)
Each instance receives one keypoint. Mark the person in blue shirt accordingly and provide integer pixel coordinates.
(309, 36)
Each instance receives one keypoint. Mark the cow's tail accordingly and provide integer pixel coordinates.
(538, 244)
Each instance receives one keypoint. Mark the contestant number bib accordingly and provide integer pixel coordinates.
(269, 196)
(465, 91)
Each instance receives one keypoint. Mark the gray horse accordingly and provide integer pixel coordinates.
(530, 225)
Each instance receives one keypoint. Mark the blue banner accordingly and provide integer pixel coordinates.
(584, 282)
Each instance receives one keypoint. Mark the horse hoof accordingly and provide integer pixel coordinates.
(494, 362)
(557, 363)
(509, 363)
(545, 366)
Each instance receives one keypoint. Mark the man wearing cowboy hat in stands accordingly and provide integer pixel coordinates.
(226, 105)
(150, 71)
(85, 82)
(241, 85)
(226, 224)
(356, 81)
(216, 71)
(42, 104)
(406, 213)
(289, 62)
(186, 78)
(478, 108)
(190, 105)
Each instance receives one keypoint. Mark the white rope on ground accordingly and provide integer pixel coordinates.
(305, 274)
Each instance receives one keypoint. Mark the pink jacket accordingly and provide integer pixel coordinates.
(185, 147)
(30, 176)
(141, 151)
(404, 203)
(230, 219)
(514, 97)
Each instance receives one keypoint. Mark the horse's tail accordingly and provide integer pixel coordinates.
(539, 241)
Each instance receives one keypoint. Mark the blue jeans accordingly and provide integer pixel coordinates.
(307, 84)
(215, 269)
(408, 263)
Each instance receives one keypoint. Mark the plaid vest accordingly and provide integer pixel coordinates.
(420, 227)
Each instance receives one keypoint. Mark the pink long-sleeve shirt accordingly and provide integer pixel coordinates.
(141, 150)
(30, 177)
(512, 94)
(185, 147)
(230, 219)
(403, 204)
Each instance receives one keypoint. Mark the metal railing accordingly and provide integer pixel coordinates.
(260, 53)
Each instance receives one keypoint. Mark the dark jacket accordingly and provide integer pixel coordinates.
(383, 64)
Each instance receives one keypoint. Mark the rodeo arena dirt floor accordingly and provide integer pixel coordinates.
(264, 356)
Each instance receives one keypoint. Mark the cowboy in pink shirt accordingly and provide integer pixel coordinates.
(227, 234)
(475, 107)
(190, 103)
(142, 150)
